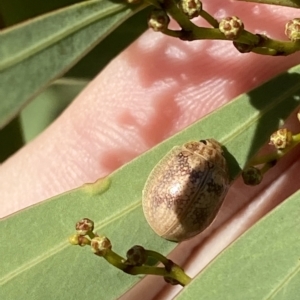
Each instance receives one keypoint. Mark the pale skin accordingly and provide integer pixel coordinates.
(152, 90)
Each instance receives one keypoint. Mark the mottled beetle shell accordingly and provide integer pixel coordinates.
(186, 189)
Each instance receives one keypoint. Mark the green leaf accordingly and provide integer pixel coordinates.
(34, 53)
(289, 3)
(37, 256)
(264, 263)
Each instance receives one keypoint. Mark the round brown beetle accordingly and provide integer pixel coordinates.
(186, 189)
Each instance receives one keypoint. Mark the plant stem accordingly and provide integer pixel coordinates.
(209, 18)
(173, 33)
(259, 44)
(170, 270)
(277, 155)
(180, 275)
(173, 10)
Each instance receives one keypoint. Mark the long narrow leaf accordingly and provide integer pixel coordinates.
(262, 264)
(34, 53)
(34, 249)
(289, 3)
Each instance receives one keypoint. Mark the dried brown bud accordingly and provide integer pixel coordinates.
(100, 245)
(281, 138)
(243, 48)
(84, 226)
(191, 8)
(232, 27)
(292, 29)
(158, 20)
(136, 256)
(252, 176)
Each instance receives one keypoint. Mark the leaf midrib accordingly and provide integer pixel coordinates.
(63, 245)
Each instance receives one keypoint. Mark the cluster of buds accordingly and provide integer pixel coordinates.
(136, 257)
(100, 245)
(231, 27)
(283, 141)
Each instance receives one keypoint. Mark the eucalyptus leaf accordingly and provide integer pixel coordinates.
(264, 263)
(34, 249)
(289, 3)
(34, 53)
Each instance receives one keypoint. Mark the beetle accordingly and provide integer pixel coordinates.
(186, 189)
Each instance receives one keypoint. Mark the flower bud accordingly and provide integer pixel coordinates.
(252, 176)
(84, 226)
(243, 48)
(136, 256)
(191, 8)
(292, 29)
(281, 138)
(101, 245)
(158, 20)
(232, 27)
